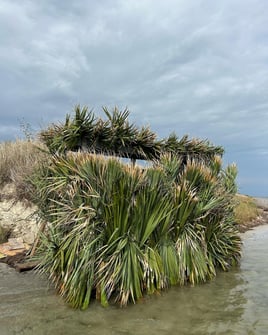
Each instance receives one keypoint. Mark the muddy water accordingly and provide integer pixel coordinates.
(234, 303)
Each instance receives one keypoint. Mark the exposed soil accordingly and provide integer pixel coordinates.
(18, 218)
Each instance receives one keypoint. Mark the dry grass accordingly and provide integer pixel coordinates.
(18, 161)
(246, 209)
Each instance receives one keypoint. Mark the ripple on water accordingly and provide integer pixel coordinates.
(235, 302)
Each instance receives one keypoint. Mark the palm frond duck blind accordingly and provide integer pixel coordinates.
(118, 231)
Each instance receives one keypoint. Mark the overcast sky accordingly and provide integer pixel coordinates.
(190, 66)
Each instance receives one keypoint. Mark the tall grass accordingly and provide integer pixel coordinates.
(117, 232)
(245, 210)
(18, 161)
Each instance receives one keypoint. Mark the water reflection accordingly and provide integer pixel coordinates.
(234, 303)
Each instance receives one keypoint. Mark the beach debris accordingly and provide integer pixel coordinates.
(13, 247)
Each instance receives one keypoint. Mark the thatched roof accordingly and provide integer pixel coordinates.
(117, 136)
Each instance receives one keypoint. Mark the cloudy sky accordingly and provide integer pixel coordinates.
(197, 67)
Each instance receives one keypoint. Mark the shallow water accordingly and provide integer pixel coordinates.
(234, 303)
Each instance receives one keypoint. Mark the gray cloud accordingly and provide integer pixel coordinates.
(196, 67)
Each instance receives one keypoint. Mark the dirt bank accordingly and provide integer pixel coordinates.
(18, 218)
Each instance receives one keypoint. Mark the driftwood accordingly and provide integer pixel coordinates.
(21, 267)
(15, 252)
(19, 262)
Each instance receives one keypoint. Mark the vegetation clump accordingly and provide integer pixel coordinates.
(246, 209)
(116, 231)
(247, 213)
